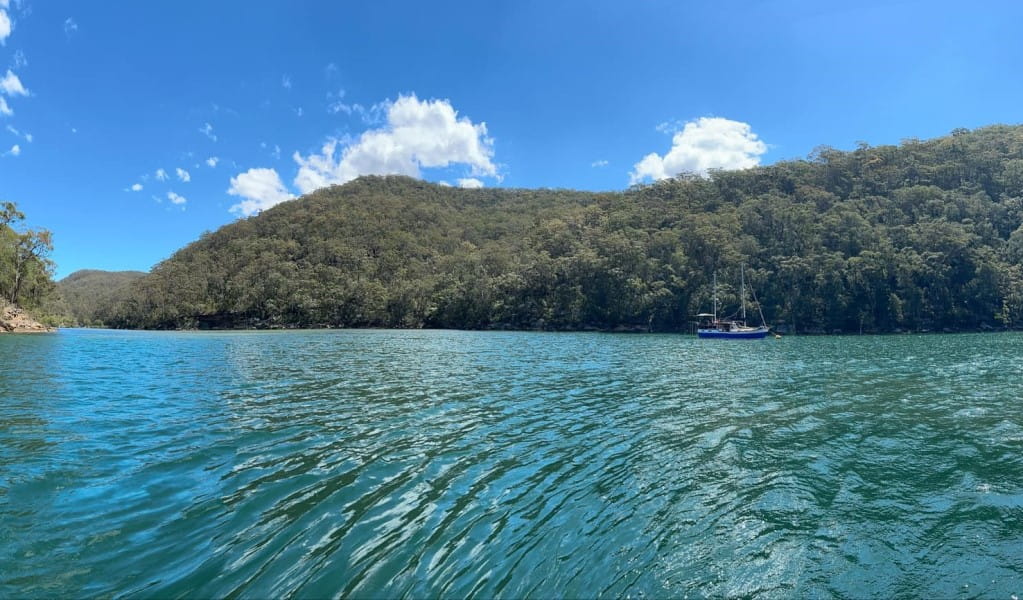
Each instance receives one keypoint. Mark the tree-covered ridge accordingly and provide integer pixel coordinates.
(921, 236)
(25, 267)
(90, 297)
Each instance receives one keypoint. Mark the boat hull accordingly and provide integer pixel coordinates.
(755, 334)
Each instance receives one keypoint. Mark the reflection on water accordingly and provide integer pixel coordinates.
(429, 463)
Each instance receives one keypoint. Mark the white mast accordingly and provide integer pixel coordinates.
(742, 294)
(715, 296)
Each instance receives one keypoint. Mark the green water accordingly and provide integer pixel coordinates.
(436, 463)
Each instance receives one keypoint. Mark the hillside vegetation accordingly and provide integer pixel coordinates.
(90, 297)
(921, 236)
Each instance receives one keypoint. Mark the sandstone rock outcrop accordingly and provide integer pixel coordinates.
(16, 320)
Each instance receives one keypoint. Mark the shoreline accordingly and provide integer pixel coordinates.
(15, 320)
(974, 331)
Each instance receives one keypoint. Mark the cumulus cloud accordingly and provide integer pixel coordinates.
(183, 175)
(598, 164)
(470, 183)
(260, 188)
(160, 175)
(136, 187)
(207, 130)
(4, 109)
(417, 134)
(11, 85)
(175, 198)
(14, 151)
(703, 144)
(212, 161)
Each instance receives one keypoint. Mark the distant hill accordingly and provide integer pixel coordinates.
(91, 296)
(922, 236)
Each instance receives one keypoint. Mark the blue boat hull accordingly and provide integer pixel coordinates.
(733, 335)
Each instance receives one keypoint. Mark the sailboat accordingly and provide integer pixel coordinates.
(710, 326)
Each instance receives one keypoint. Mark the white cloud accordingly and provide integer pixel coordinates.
(11, 85)
(176, 199)
(670, 127)
(374, 115)
(14, 151)
(11, 129)
(212, 161)
(348, 109)
(5, 25)
(260, 188)
(207, 130)
(418, 134)
(137, 187)
(4, 109)
(470, 183)
(70, 26)
(703, 144)
(298, 111)
(161, 175)
(183, 175)
(286, 82)
(599, 164)
(19, 60)
(338, 105)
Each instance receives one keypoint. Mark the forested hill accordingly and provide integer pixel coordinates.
(91, 296)
(921, 236)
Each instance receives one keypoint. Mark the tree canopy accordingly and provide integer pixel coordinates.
(25, 267)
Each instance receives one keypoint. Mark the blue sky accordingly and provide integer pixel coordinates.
(129, 128)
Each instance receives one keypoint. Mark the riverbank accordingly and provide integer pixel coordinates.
(16, 320)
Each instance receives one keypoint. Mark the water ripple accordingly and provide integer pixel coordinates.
(460, 464)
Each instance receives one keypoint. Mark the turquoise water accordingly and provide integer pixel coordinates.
(441, 463)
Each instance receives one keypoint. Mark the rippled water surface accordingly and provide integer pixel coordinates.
(456, 464)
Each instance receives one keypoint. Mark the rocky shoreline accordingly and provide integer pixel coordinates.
(16, 320)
